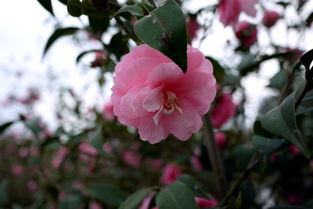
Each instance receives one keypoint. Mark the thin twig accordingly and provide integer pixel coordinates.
(215, 156)
(252, 164)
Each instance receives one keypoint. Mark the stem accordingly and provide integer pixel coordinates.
(129, 32)
(214, 156)
(253, 162)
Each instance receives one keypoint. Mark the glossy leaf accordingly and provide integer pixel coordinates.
(265, 146)
(132, 9)
(58, 33)
(96, 139)
(195, 187)
(307, 59)
(106, 194)
(218, 71)
(6, 125)
(163, 32)
(47, 5)
(34, 126)
(74, 8)
(134, 200)
(118, 45)
(281, 121)
(98, 24)
(306, 103)
(278, 81)
(176, 196)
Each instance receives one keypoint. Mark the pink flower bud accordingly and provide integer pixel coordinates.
(223, 110)
(132, 158)
(17, 170)
(270, 18)
(246, 33)
(108, 111)
(170, 174)
(221, 140)
(206, 203)
(193, 27)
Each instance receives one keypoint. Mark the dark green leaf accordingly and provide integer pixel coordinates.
(71, 202)
(63, 2)
(218, 70)
(80, 56)
(176, 196)
(74, 8)
(118, 45)
(132, 9)
(306, 103)
(34, 126)
(265, 146)
(307, 59)
(47, 5)
(193, 185)
(4, 191)
(106, 194)
(58, 33)
(96, 139)
(6, 125)
(134, 200)
(89, 9)
(281, 121)
(165, 33)
(279, 80)
(98, 24)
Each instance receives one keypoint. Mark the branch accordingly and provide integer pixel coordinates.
(214, 156)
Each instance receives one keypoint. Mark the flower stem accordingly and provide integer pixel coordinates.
(215, 156)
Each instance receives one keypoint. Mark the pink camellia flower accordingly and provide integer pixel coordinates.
(230, 10)
(17, 170)
(132, 158)
(193, 27)
(170, 174)
(94, 205)
(86, 148)
(196, 164)
(32, 186)
(152, 93)
(206, 203)
(108, 111)
(220, 139)
(224, 110)
(58, 159)
(246, 33)
(294, 149)
(146, 202)
(270, 18)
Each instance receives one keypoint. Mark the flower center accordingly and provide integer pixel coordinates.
(170, 103)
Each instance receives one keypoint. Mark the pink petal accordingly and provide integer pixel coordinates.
(182, 125)
(248, 7)
(151, 132)
(163, 74)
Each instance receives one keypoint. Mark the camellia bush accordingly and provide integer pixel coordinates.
(175, 133)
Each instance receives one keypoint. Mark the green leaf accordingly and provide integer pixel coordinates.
(265, 146)
(4, 191)
(74, 8)
(89, 9)
(58, 33)
(281, 121)
(118, 45)
(47, 5)
(132, 9)
(34, 126)
(165, 33)
(306, 103)
(6, 125)
(194, 186)
(106, 194)
(82, 54)
(134, 200)
(278, 80)
(71, 202)
(96, 139)
(307, 59)
(218, 70)
(98, 24)
(176, 196)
